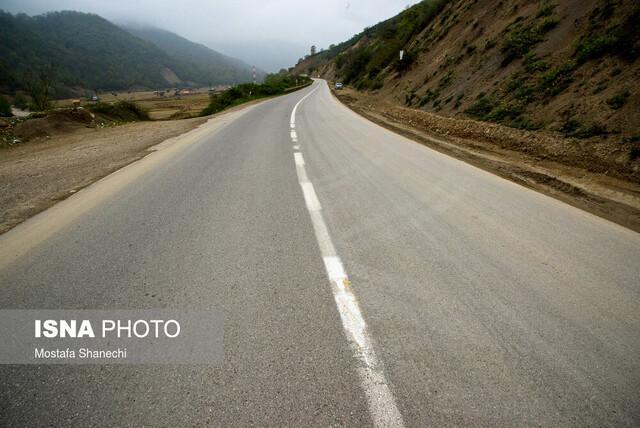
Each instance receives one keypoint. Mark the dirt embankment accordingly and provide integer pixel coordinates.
(63, 156)
(599, 180)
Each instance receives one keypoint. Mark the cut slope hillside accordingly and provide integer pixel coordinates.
(569, 67)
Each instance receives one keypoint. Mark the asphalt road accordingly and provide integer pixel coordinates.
(480, 302)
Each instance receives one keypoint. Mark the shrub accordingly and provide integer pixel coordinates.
(520, 89)
(557, 79)
(481, 107)
(125, 111)
(524, 123)
(618, 100)
(504, 111)
(369, 83)
(274, 84)
(428, 97)
(573, 128)
(522, 38)
(408, 98)
(446, 80)
(20, 100)
(546, 10)
(622, 40)
(532, 64)
(407, 61)
(489, 44)
(570, 126)
(594, 46)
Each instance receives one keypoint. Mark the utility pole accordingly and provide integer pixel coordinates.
(254, 75)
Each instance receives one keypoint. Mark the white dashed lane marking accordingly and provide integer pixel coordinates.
(382, 406)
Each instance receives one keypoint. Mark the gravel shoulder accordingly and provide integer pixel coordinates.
(553, 165)
(36, 175)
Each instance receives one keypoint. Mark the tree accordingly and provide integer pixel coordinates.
(20, 101)
(5, 107)
(313, 49)
(40, 85)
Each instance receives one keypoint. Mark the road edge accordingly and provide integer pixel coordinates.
(611, 210)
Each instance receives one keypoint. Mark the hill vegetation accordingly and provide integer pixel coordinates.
(82, 52)
(569, 66)
(195, 62)
(274, 84)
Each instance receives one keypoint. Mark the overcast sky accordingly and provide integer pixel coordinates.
(269, 33)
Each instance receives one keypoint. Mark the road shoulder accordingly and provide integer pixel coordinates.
(612, 198)
(37, 175)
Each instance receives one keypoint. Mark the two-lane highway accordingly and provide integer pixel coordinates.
(364, 279)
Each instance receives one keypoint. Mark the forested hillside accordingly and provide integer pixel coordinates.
(569, 66)
(194, 61)
(85, 52)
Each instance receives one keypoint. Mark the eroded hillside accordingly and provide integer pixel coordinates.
(570, 66)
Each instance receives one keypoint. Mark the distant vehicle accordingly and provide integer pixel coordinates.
(95, 98)
(339, 85)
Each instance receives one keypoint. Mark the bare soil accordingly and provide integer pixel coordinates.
(541, 160)
(37, 174)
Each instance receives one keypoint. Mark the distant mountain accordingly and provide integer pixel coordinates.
(195, 61)
(89, 52)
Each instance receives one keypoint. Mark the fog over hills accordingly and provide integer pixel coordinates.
(85, 52)
(269, 34)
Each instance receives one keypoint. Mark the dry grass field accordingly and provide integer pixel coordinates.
(163, 107)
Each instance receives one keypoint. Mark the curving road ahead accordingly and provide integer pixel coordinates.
(364, 280)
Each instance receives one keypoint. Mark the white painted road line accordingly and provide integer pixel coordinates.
(313, 204)
(382, 405)
(292, 122)
(296, 147)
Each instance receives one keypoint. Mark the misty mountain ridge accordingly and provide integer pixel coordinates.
(194, 59)
(87, 52)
